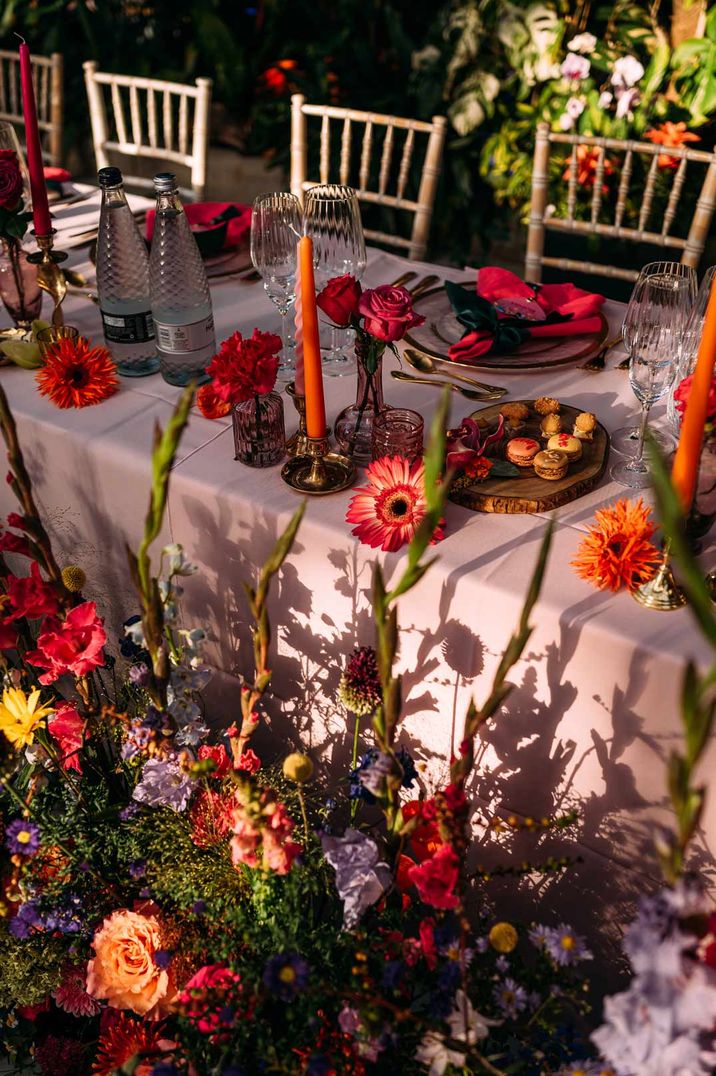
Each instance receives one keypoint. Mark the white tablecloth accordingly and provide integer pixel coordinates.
(595, 710)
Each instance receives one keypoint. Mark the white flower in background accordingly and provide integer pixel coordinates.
(469, 110)
(544, 28)
(605, 99)
(585, 43)
(574, 67)
(627, 71)
(490, 85)
(566, 123)
(424, 57)
(178, 563)
(627, 100)
(433, 1051)
(574, 107)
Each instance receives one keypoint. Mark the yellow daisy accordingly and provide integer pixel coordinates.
(20, 715)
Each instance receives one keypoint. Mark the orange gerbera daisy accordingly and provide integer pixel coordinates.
(670, 134)
(76, 375)
(587, 160)
(390, 508)
(617, 551)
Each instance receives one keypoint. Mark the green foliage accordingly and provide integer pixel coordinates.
(29, 969)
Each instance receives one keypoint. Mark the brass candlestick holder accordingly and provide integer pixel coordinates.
(297, 444)
(662, 592)
(318, 471)
(49, 275)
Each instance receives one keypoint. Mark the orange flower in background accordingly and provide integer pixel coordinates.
(617, 551)
(390, 508)
(587, 160)
(673, 135)
(77, 375)
(211, 405)
(275, 78)
(121, 1039)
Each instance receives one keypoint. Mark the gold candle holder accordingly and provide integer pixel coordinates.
(662, 592)
(297, 444)
(49, 275)
(318, 471)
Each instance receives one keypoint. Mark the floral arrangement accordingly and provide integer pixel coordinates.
(467, 454)
(176, 905)
(243, 369)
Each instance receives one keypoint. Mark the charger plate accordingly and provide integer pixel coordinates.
(441, 329)
(526, 492)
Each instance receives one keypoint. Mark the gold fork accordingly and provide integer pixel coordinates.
(598, 361)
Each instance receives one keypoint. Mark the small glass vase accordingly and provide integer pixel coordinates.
(354, 425)
(259, 432)
(19, 289)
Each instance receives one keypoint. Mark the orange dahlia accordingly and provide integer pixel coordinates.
(390, 508)
(77, 375)
(123, 1038)
(670, 135)
(617, 551)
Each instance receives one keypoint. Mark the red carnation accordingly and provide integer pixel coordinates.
(249, 761)
(217, 752)
(340, 298)
(31, 596)
(436, 878)
(245, 368)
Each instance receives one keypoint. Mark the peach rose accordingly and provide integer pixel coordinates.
(124, 970)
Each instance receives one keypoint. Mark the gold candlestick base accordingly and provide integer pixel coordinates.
(298, 442)
(318, 471)
(49, 275)
(662, 592)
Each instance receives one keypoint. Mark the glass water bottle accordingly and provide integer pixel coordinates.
(181, 303)
(123, 282)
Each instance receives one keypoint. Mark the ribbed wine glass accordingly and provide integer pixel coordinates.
(659, 317)
(275, 230)
(625, 439)
(689, 346)
(332, 219)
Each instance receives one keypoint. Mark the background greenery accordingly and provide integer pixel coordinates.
(478, 61)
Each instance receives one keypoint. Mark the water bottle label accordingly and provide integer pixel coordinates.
(185, 338)
(128, 328)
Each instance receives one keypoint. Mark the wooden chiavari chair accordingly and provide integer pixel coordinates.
(47, 77)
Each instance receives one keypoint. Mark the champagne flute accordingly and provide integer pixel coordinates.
(275, 231)
(689, 346)
(333, 221)
(625, 439)
(664, 302)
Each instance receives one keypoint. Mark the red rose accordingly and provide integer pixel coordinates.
(210, 405)
(10, 179)
(388, 312)
(682, 393)
(340, 298)
(245, 368)
(436, 878)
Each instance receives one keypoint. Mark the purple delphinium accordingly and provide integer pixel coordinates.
(565, 946)
(286, 975)
(164, 784)
(510, 997)
(22, 838)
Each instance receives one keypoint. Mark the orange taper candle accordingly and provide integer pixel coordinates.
(312, 373)
(684, 473)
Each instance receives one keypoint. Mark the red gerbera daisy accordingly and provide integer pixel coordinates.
(390, 508)
(76, 375)
(121, 1039)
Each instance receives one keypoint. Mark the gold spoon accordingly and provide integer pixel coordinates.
(422, 362)
(470, 394)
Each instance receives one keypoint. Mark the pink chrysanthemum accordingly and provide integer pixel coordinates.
(71, 995)
(390, 508)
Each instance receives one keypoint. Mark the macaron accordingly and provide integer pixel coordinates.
(550, 464)
(564, 442)
(522, 450)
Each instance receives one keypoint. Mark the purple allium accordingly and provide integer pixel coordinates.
(349, 1020)
(510, 997)
(565, 946)
(286, 975)
(22, 838)
(359, 687)
(164, 784)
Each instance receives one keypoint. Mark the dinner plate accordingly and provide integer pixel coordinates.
(441, 329)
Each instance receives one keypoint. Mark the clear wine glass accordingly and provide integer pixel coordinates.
(333, 221)
(275, 230)
(625, 439)
(664, 302)
(689, 345)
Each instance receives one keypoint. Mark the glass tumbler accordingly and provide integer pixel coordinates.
(397, 432)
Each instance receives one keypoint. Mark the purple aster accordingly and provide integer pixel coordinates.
(538, 935)
(165, 1068)
(502, 964)
(198, 907)
(164, 784)
(27, 918)
(565, 946)
(286, 975)
(318, 1065)
(510, 997)
(22, 838)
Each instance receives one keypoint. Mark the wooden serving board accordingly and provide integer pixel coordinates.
(526, 492)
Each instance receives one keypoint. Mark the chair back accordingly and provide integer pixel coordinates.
(385, 185)
(151, 119)
(650, 212)
(47, 77)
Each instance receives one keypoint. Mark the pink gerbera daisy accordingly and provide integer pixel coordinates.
(390, 508)
(71, 994)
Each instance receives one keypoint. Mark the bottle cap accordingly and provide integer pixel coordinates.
(109, 177)
(165, 182)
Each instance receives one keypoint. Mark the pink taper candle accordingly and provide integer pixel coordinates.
(40, 208)
(299, 382)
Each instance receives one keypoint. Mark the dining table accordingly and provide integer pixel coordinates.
(585, 734)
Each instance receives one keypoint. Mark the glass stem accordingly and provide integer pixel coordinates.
(283, 311)
(638, 459)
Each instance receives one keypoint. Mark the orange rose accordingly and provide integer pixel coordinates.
(124, 970)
